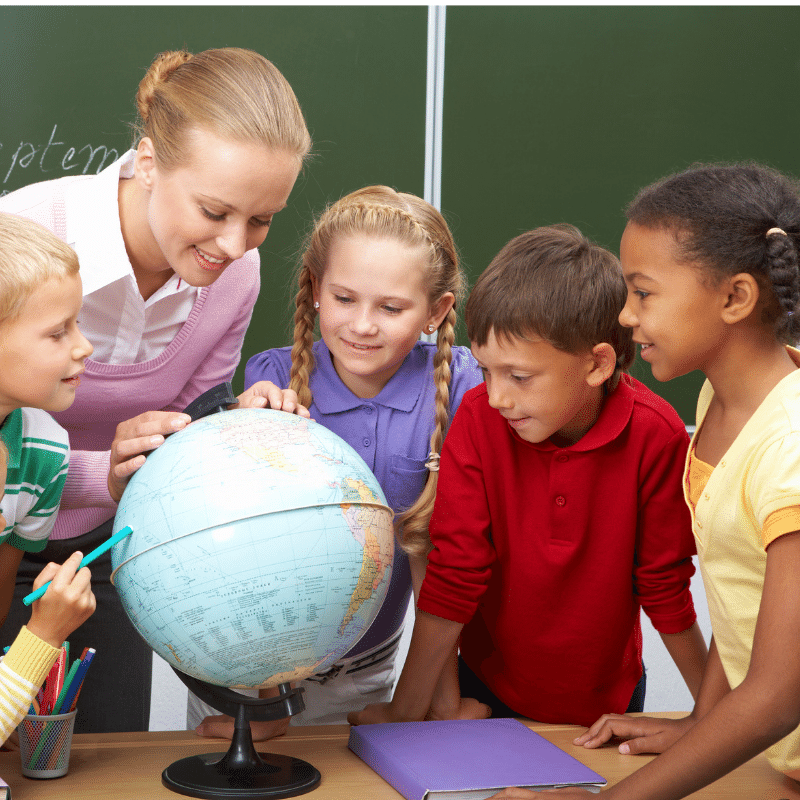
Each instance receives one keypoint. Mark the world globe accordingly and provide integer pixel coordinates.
(261, 550)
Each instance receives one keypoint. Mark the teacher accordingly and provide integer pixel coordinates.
(166, 238)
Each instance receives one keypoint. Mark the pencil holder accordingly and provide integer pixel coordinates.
(44, 744)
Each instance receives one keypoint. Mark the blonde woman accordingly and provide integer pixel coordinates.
(167, 240)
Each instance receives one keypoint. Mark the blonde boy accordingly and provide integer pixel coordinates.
(41, 358)
(559, 510)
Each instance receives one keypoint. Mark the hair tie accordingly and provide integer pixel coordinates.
(432, 464)
(780, 231)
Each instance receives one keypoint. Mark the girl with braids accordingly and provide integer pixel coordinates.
(167, 240)
(710, 257)
(380, 268)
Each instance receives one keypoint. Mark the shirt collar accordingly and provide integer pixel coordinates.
(11, 434)
(401, 392)
(614, 417)
(93, 225)
(94, 231)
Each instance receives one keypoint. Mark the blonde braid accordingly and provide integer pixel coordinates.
(302, 353)
(381, 211)
(412, 525)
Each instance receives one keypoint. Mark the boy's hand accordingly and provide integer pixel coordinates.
(265, 394)
(469, 708)
(133, 439)
(374, 714)
(642, 734)
(67, 603)
(221, 726)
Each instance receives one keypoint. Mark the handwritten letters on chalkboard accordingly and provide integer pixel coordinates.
(53, 156)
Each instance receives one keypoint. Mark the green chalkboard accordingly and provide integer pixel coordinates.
(560, 114)
(70, 75)
(551, 114)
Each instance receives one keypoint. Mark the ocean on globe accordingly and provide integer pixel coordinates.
(261, 550)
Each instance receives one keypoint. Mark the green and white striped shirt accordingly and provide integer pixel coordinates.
(38, 457)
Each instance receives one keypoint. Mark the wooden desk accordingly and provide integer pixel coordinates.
(128, 766)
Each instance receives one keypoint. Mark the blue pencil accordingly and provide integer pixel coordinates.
(77, 682)
(87, 559)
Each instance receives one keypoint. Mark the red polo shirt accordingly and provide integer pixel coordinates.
(547, 553)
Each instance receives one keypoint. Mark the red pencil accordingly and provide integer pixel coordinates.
(53, 683)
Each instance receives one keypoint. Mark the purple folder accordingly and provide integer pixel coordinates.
(450, 759)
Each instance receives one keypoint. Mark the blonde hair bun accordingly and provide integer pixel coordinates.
(234, 93)
(164, 64)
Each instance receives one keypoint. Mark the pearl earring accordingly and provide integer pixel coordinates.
(316, 304)
(431, 329)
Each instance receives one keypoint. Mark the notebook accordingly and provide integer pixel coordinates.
(466, 759)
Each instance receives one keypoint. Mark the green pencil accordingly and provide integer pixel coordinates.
(65, 688)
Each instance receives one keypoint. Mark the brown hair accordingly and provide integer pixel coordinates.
(382, 212)
(234, 93)
(554, 283)
(29, 256)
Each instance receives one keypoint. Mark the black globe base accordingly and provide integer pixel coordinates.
(275, 776)
(242, 773)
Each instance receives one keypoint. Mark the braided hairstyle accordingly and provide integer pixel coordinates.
(383, 212)
(732, 218)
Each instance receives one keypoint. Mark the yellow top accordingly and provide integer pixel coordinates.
(750, 498)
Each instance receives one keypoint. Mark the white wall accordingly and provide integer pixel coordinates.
(666, 690)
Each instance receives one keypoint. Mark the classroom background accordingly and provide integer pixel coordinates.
(505, 117)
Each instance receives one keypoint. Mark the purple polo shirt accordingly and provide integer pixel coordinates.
(401, 418)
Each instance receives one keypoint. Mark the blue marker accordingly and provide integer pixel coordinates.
(87, 559)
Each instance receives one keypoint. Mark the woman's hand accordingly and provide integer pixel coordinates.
(133, 439)
(265, 394)
(641, 734)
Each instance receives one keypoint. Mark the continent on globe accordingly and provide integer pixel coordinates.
(261, 551)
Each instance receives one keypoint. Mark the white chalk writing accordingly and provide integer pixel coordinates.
(53, 156)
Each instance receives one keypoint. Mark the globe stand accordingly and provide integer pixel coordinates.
(242, 773)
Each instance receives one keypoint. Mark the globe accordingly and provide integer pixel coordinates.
(261, 550)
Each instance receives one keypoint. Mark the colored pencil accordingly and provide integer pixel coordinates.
(87, 559)
(65, 688)
(71, 700)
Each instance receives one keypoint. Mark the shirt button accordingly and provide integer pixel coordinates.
(366, 442)
(561, 500)
(562, 457)
(368, 409)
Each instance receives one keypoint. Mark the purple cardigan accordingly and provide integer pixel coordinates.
(205, 352)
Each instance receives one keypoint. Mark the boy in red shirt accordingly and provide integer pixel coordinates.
(559, 509)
